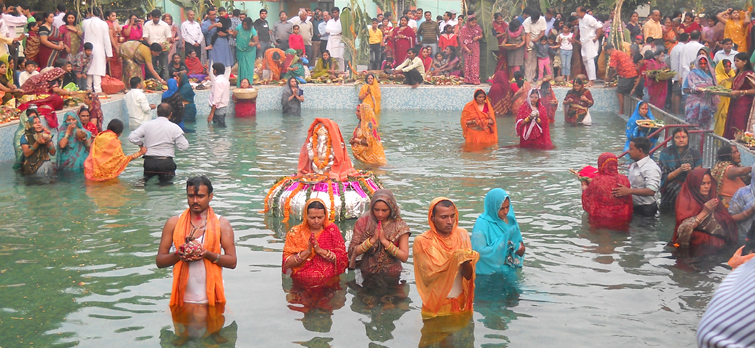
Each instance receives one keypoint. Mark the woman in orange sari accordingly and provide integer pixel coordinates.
(273, 61)
(478, 121)
(370, 93)
(315, 251)
(106, 158)
(365, 144)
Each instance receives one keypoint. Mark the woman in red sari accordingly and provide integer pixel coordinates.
(603, 208)
(500, 94)
(532, 124)
(72, 35)
(548, 99)
(403, 39)
(478, 122)
(51, 46)
(656, 89)
(702, 221)
(315, 251)
(500, 30)
(743, 91)
(470, 36)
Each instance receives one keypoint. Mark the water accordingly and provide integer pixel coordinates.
(77, 258)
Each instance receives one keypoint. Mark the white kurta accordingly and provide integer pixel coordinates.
(335, 46)
(588, 27)
(97, 32)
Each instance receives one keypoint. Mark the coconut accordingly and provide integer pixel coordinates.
(192, 250)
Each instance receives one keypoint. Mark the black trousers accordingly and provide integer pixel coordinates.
(648, 210)
(376, 55)
(412, 77)
(162, 167)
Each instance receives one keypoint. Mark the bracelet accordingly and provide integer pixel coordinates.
(216, 259)
(297, 258)
(366, 245)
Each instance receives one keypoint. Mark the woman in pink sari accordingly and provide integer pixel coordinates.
(656, 89)
(403, 39)
(532, 124)
(132, 31)
(470, 36)
(500, 94)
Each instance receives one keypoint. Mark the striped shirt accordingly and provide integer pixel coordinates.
(730, 317)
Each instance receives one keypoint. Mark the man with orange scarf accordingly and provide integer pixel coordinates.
(197, 235)
(444, 263)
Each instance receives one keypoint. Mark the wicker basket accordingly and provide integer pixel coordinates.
(245, 93)
(664, 75)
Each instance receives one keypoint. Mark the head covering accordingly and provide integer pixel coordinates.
(9, 73)
(185, 88)
(373, 153)
(495, 227)
(106, 159)
(375, 94)
(341, 167)
(40, 84)
(172, 89)
(529, 101)
(690, 202)
(496, 240)
(500, 94)
(489, 132)
(632, 122)
(75, 153)
(608, 164)
(598, 201)
(707, 74)
(722, 75)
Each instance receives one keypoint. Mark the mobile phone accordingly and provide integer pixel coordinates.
(301, 92)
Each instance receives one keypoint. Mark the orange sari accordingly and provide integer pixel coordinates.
(489, 133)
(215, 289)
(106, 158)
(271, 64)
(373, 152)
(374, 99)
(437, 260)
(342, 167)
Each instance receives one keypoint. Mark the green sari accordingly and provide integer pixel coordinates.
(245, 54)
(321, 68)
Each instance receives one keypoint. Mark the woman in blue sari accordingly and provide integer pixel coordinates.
(184, 89)
(73, 143)
(246, 50)
(676, 161)
(641, 112)
(496, 236)
(700, 107)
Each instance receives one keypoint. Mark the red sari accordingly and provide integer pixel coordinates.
(550, 102)
(316, 270)
(401, 46)
(502, 60)
(714, 231)
(246, 108)
(114, 62)
(533, 134)
(471, 58)
(739, 109)
(598, 201)
(656, 89)
(500, 94)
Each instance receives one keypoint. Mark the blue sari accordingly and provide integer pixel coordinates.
(72, 157)
(634, 131)
(190, 109)
(496, 240)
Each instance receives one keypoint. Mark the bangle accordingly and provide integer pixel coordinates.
(367, 245)
(217, 259)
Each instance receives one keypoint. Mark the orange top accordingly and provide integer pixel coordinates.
(106, 158)
(489, 132)
(437, 260)
(342, 167)
(215, 289)
(729, 187)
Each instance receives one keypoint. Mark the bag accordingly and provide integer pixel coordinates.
(112, 85)
(587, 121)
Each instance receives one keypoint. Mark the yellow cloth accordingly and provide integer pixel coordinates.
(652, 29)
(374, 99)
(321, 70)
(376, 36)
(106, 158)
(723, 104)
(437, 260)
(736, 31)
(367, 129)
(215, 288)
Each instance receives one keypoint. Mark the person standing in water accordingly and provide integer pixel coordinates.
(160, 137)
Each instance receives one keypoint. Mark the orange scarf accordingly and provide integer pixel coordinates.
(106, 158)
(297, 239)
(489, 133)
(367, 128)
(374, 99)
(215, 289)
(437, 260)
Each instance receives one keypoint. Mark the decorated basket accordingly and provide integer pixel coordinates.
(245, 93)
(664, 75)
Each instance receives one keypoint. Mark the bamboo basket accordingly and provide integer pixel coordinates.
(245, 93)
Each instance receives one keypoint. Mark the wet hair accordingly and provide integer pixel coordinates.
(198, 181)
(135, 81)
(724, 153)
(115, 126)
(444, 203)
(88, 46)
(642, 143)
(164, 110)
(316, 205)
(219, 68)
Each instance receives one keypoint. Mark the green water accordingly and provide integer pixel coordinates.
(77, 258)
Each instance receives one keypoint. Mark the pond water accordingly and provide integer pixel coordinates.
(77, 261)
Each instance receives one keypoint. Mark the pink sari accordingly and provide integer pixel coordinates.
(401, 46)
(471, 59)
(656, 89)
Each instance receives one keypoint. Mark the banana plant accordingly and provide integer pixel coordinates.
(354, 22)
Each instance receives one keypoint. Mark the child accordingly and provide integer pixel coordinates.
(554, 54)
(649, 46)
(565, 39)
(30, 69)
(448, 38)
(81, 63)
(225, 24)
(219, 95)
(543, 58)
(296, 42)
(376, 44)
(70, 76)
(21, 66)
(388, 64)
(438, 63)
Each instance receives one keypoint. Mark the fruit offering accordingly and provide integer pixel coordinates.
(192, 250)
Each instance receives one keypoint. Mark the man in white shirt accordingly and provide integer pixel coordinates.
(689, 53)
(644, 177)
(674, 60)
(306, 31)
(321, 28)
(412, 23)
(16, 25)
(726, 53)
(412, 68)
(139, 109)
(97, 32)
(219, 95)
(590, 29)
(549, 20)
(453, 21)
(157, 31)
(335, 46)
(60, 15)
(191, 32)
(160, 137)
(446, 18)
(534, 27)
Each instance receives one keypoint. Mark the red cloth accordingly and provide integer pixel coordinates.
(589, 171)
(46, 107)
(690, 28)
(539, 138)
(690, 202)
(427, 62)
(194, 65)
(502, 60)
(318, 270)
(547, 100)
(246, 108)
(739, 109)
(657, 90)
(598, 201)
(400, 46)
(500, 94)
(342, 166)
(295, 42)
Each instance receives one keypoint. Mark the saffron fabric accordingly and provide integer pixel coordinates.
(437, 260)
(497, 241)
(722, 110)
(737, 32)
(535, 133)
(215, 289)
(622, 62)
(726, 187)
(268, 63)
(486, 132)
(375, 98)
(602, 207)
(342, 167)
(106, 159)
(367, 129)
(316, 269)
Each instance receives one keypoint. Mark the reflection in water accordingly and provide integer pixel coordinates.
(108, 196)
(495, 295)
(384, 299)
(199, 325)
(450, 331)
(316, 302)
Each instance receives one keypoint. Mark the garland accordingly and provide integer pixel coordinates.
(316, 157)
(280, 182)
(309, 191)
(277, 198)
(332, 216)
(287, 205)
(363, 183)
(342, 214)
